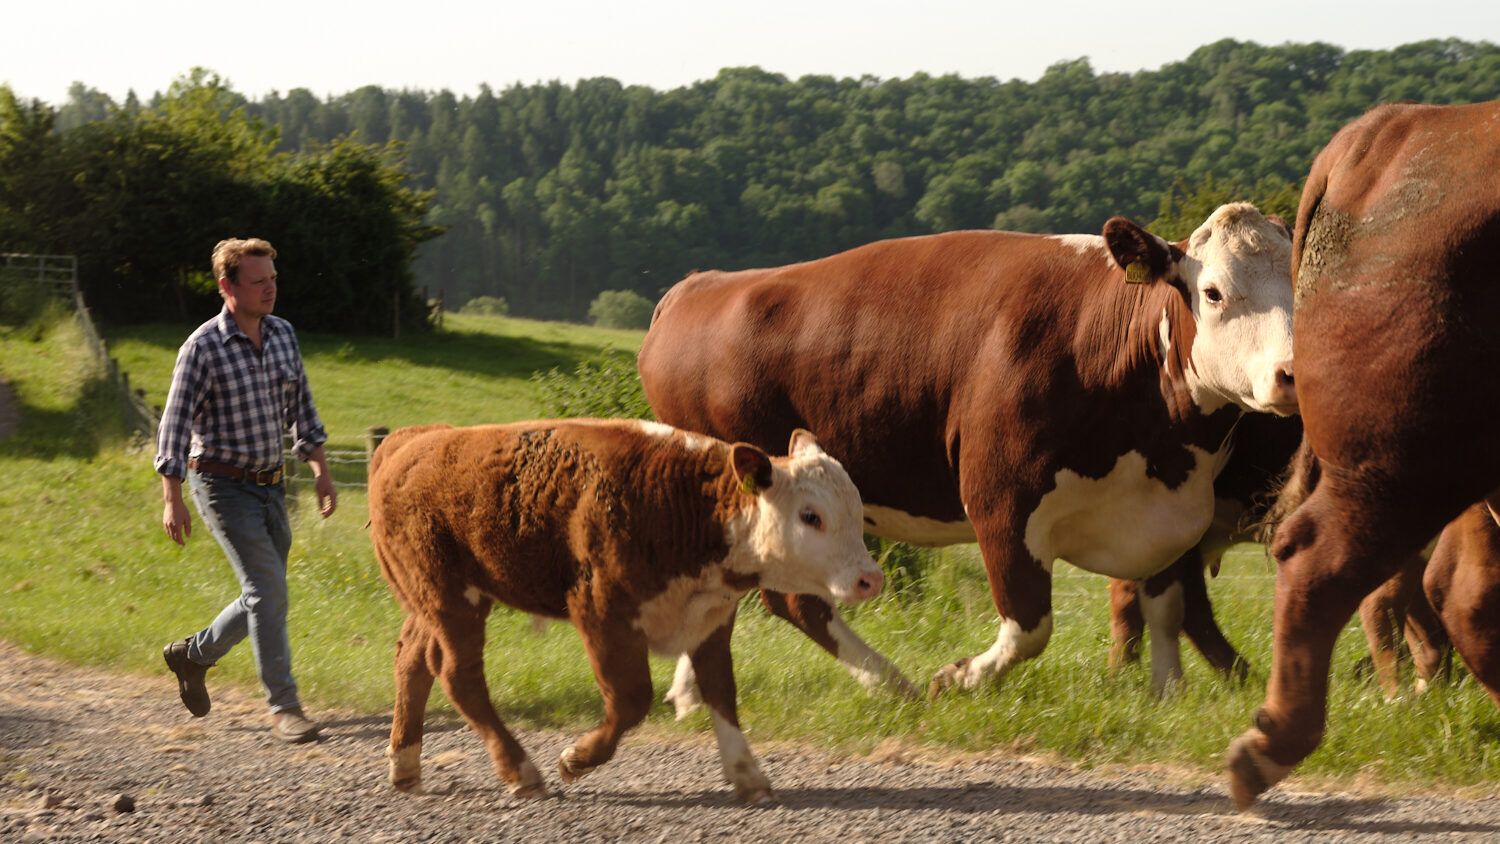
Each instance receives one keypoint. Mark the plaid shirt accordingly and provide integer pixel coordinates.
(231, 403)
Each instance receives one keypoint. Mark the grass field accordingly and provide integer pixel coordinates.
(86, 574)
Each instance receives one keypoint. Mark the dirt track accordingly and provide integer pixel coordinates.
(72, 740)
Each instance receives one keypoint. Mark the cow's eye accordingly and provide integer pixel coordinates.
(811, 518)
(1212, 294)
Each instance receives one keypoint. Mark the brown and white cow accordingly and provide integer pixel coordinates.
(1398, 318)
(642, 536)
(1046, 396)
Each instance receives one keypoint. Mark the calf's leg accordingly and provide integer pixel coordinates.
(460, 632)
(618, 654)
(823, 624)
(714, 665)
(1201, 627)
(417, 658)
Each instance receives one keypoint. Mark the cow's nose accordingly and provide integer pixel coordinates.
(1284, 393)
(869, 585)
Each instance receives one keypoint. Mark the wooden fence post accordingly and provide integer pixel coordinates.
(374, 436)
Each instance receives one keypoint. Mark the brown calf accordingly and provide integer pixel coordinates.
(643, 536)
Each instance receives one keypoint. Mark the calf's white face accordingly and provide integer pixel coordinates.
(806, 530)
(1237, 273)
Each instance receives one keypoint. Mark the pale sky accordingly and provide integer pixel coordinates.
(335, 47)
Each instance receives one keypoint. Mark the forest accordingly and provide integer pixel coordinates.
(546, 195)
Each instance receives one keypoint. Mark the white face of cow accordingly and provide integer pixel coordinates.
(807, 528)
(1238, 273)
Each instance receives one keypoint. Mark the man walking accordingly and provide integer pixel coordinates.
(237, 386)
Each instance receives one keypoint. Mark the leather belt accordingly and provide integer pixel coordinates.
(265, 477)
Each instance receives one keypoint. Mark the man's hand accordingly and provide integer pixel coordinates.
(328, 497)
(174, 515)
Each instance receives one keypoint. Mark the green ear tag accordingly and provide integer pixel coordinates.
(1137, 273)
(748, 485)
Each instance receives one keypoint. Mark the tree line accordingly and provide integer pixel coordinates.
(548, 194)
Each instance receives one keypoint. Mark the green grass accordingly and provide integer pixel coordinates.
(86, 574)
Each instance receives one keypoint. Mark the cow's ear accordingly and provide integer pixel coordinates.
(752, 467)
(803, 440)
(1280, 224)
(1142, 255)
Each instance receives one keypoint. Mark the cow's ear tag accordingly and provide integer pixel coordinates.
(1137, 273)
(748, 485)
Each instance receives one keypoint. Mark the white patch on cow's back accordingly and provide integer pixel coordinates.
(1083, 244)
(680, 617)
(889, 523)
(1125, 524)
(694, 442)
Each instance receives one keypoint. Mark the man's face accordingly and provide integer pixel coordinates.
(253, 294)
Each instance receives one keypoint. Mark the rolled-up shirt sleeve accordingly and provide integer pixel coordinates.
(184, 398)
(306, 428)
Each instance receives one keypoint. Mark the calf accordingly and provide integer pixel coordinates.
(643, 536)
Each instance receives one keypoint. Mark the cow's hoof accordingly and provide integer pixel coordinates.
(1251, 772)
(531, 785)
(759, 795)
(405, 768)
(569, 769)
(947, 677)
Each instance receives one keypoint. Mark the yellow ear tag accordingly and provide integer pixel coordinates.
(1137, 273)
(748, 485)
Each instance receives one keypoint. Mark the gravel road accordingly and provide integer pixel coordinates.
(74, 741)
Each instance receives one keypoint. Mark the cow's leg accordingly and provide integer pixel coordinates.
(1426, 638)
(1163, 613)
(684, 695)
(1126, 625)
(460, 632)
(1463, 582)
(1380, 616)
(417, 661)
(1332, 551)
(714, 665)
(623, 672)
(1022, 589)
(1202, 628)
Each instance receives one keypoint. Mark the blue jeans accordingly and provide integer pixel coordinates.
(250, 523)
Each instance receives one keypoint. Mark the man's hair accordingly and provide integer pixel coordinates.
(228, 253)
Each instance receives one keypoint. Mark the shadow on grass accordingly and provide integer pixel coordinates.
(79, 430)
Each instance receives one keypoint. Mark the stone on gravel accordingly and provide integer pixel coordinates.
(123, 803)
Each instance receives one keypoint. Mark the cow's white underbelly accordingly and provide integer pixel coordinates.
(1124, 524)
(916, 530)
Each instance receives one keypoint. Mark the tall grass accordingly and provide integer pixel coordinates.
(85, 573)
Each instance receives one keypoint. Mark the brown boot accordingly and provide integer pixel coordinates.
(291, 726)
(190, 685)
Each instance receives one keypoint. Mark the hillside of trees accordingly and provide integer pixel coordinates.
(548, 194)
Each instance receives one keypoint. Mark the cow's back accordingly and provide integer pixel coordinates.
(522, 512)
(1397, 238)
(869, 349)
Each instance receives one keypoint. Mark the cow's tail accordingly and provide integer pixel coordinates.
(1298, 482)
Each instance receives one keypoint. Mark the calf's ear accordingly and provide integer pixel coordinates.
(803, 440)
(1142, 255)
(1280, 224)
(752, 467)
